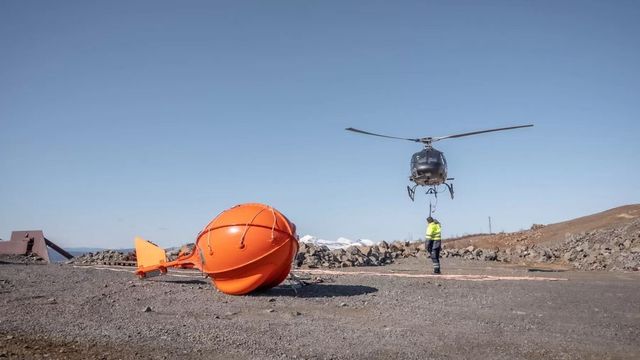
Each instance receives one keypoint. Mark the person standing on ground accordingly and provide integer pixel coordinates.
(433, 238)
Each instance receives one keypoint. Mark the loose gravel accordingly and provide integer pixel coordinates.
(61, 311)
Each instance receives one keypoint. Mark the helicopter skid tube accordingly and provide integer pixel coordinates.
(450, 187)
(411, 191)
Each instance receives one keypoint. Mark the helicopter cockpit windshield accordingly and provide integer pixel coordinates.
(428, 159)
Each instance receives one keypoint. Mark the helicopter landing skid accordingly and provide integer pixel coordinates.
(434, 190)
(450, 187)
(411, 190)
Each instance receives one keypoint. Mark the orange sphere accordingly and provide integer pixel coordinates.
(247, 247)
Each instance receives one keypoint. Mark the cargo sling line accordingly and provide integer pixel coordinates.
(432, 207)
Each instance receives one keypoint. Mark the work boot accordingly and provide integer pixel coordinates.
(436, 271)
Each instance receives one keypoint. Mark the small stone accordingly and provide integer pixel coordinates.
(147, 309)
(9, 337)
(52, 301)
(269, 310)
(272, 300)
(569, 256)
(296, 313)
(343, 304)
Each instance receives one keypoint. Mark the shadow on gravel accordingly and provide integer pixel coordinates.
(10, 262)
(187, 282)
(318, 291)
(545, 270)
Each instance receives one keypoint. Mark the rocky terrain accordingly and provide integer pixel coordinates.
(606, 241)
(64, 311)
(106, 257)
(28, 259)
(615, 248)
(487, 304)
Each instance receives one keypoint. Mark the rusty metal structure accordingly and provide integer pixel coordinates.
(27, 242)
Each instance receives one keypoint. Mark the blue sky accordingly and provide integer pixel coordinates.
(126, 118)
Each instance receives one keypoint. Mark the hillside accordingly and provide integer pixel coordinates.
(609, 240)
(552, 234)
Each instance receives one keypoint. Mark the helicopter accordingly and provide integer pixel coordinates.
(429, 166)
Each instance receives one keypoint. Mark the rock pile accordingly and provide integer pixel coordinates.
(172, 254)
(23, 259)
(606, 249)
(472, 253)
(105, 257)
(517, 254)
(314, 256)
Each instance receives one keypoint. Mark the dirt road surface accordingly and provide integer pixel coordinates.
(392, 312)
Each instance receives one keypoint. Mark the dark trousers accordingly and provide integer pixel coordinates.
(433, 248)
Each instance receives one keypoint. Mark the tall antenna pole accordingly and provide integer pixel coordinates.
(490, 225)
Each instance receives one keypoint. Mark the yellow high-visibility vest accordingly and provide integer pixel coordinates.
(434, 231)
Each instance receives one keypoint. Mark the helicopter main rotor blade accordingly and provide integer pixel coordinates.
(384, 136)
(479, 132)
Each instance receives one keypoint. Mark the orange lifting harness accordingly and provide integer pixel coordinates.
(245, 248)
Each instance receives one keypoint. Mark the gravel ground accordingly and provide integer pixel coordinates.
(66, 312)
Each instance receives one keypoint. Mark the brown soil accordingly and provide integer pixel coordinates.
(552, 234)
